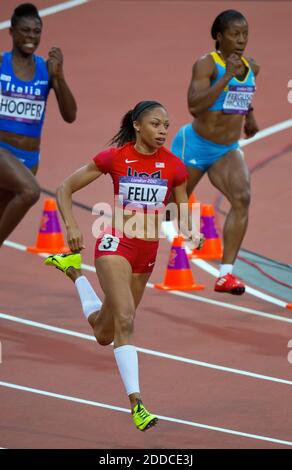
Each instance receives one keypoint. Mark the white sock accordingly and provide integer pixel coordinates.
(225, 269)
(127, 362)
(89, 300)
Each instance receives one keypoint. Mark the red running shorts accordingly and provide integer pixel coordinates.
(141, 254)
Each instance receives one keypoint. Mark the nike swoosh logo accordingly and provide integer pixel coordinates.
(130, 161)
(151, 264)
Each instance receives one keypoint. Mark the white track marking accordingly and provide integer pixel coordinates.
(247, 310)
(184, 294)
(51, 10)
(15, 245)
(150, 352)
(162, 418)
(281, 126)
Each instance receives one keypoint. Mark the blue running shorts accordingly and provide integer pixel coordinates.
(196, 151)
(29, 159)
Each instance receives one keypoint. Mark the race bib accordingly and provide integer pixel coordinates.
(238, 99)
(148, 192)
(109, 243)
(21, 109)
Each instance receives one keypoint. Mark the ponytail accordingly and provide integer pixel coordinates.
(127, 132)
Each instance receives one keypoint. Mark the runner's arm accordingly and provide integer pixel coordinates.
(66, 101)
(251, 127)
(201, 95)
(78, 180)
(186, 224)
(65, 98)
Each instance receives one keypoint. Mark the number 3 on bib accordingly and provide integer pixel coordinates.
(109, 243)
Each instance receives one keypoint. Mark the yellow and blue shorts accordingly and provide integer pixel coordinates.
(196, 151)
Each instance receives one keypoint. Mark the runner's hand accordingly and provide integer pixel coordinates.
(250, 126)
(233, 65)
(75, 239)
(195, 243)
(55, 63)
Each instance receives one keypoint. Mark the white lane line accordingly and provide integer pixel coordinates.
(184, 294)
(171, 232)
(150, 352)
(281, 126)
(125, 410)
(247, 310)
(51, 10)
(15, 245)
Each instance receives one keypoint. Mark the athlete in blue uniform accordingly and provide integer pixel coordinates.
(25, 82)
(220, 100)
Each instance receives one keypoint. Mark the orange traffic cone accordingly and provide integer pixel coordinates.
(50, 238)
(212, 247)
(178, 273)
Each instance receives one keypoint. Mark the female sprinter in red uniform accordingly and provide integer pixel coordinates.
(25, 83)
(144, 174)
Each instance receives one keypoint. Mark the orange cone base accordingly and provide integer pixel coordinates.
(49, 243)
(180, 287)
(211, 249)
(179, 280)
(178, 273)
(34, 249)
(289, 306)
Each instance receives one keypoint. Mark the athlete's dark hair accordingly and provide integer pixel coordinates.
(23, 11)
(222, 22)
(127, 132)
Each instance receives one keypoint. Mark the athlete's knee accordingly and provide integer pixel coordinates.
(103, 340)
(102, 336)
(241, 199)
(124, 320)
(31, 194)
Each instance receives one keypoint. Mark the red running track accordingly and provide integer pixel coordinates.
(111, 66)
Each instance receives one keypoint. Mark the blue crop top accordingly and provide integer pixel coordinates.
(23, 103)
(237, 96)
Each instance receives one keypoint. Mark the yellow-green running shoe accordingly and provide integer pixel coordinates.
(64, 261)
(143, 420)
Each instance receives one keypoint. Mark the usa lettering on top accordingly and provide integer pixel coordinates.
(136, 178)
